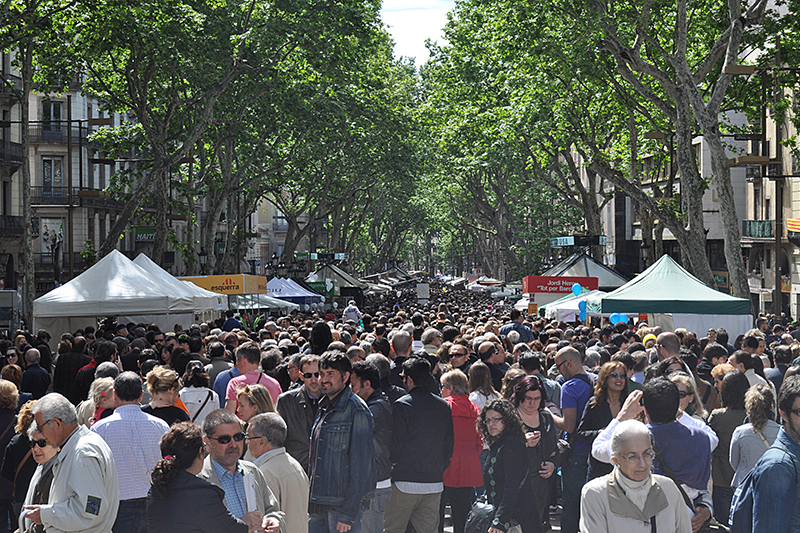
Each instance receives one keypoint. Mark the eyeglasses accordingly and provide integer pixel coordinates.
(647, 457)
(249, 438)
(225, 439)
(617, 375)
(684, 394)
(500, 419)
(558, 366)
(41, 443)
(309, 375)
(458, 354)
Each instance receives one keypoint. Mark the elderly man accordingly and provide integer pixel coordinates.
(224, 441)
(35, 379)
(285, 477)
(84, 494)
(133, 437)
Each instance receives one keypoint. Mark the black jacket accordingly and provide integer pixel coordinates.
(299, 412)
(381, 410)
(595, 417)
(422, 437)
(17, 449)
(504, 476)
(192, 505)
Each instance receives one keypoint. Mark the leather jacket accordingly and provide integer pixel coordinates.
(382, 435)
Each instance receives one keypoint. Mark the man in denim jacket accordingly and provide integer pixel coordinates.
(776, 476)
(341, 462)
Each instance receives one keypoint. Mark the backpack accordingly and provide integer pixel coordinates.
(741, 517)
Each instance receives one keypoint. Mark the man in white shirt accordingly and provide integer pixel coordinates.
(133, 437)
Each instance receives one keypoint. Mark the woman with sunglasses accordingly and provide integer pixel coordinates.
(39, 492)
(506, 468)
(529, 397)
(18, 463)
(179, 500)
(610, 393)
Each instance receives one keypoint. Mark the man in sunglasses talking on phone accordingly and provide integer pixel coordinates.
(298, 408)
(224, 442)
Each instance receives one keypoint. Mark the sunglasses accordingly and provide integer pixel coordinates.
(458, 354)
(617, 375)
(225, 439)
(41, 443)
(309, 375)
(683, 393)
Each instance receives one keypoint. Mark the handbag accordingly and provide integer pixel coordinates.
(480, 517)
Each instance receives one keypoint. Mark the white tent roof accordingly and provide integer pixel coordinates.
(115, 285)
(261, 301)
(204, 300)
(288, 288)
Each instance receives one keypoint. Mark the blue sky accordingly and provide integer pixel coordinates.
(412, 21)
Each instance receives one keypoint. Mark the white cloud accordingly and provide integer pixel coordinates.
(410, 22)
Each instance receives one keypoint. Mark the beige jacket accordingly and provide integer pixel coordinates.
(289, 483)
(84, 495)
(265, 500)
(606, 509)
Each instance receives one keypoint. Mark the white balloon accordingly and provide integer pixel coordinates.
(336, 305)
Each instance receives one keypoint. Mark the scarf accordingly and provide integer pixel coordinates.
(635, 491)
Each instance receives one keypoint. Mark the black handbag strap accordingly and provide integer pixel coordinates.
(653, 528)
(208, 397)
(670, 474)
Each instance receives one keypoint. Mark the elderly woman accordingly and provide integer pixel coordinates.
(506, 468)
(39, 489)
(464, 472)
(631, 495)
(540, 440)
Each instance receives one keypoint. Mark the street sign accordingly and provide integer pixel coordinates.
(560, 242)
(556, 284)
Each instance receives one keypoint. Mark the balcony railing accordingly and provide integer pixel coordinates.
(11, 85)
(89, 197)
(11, 226)
(757, 229)
(56, 133)
(46, 261)
(11, 152)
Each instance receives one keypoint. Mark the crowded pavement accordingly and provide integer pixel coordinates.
(462, 413)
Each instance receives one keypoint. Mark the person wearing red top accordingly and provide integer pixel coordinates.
(464, 472)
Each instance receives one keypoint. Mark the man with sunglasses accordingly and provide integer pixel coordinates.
(298, 407)
(224, 441)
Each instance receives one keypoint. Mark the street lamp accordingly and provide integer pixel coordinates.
(203, 257)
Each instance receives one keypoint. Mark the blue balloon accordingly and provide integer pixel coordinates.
(614, 318)
(582, 305)
(582, 315)
(576, 288)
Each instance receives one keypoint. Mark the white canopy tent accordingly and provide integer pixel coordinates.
(568, 309)
(114, 286)
(206, 302)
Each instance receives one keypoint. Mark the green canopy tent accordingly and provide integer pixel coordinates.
(665, 289)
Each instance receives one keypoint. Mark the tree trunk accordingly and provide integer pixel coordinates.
(161, 221)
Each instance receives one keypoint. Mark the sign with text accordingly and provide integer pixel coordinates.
(551, 284)
(231, 283)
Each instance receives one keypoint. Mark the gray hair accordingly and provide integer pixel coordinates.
(271, 426)
(216, 418)
(32, 429)
(54, 406)
(381, 362)
(106, 369)
(627, 430)
(32, 356)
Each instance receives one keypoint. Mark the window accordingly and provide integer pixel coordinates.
(51, 116)
(52, 175)
(767, 210)
(756, 203)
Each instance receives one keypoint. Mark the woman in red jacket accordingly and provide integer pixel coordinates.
(464, 472)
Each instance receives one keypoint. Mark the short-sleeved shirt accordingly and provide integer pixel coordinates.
(575, 393)
(253, 378)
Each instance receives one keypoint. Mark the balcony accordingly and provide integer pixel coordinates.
(57, 133)
(11, 153)
(11, 226)
(757, 229)
(46, 261)
(12, 86)
(81, 197)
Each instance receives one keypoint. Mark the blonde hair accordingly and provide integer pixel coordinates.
(685, 380)
(162, 379)
(759, 402)
(100, 389)
(258, 396)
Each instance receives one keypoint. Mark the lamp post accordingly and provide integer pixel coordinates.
(203, 257)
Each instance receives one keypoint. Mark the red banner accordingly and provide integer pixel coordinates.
(551, 284)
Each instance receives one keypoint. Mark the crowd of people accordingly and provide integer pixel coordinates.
(393, 416)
